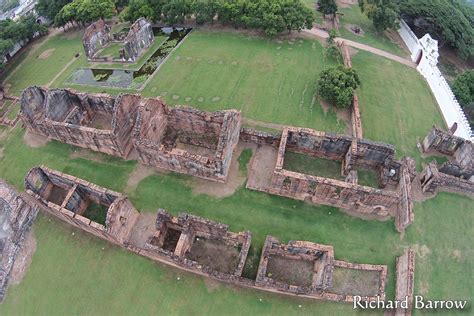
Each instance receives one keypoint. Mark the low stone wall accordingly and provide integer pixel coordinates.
(249, 135)
(405, 280)
(16, 217)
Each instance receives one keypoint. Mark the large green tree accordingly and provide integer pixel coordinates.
(383, 13)
(85, 11)
(463, 88)
(337, 85)
(49, 8)
(452, 21)
(327, 7)
(137, 9)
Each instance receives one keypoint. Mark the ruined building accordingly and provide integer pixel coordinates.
(16, 218)
(181, 139)
(342, 189)
(98, 35)
(139, 38)
(98, 122)
(187, 140)
(99, 211)
(95, 38)
(456, 174)
(203, 246)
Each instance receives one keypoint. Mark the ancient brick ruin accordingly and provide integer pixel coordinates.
(455, 175)
(8, 105)
(98, 36)
(187, 140)
(95, 38)
(139, 38)
(354, 155)
(98, 122)
(99, 211)
(200, 245)
(405, 281)
(16, 218)
(459, 151)
(181, 139)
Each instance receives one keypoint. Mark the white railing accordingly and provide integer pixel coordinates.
(447, 102)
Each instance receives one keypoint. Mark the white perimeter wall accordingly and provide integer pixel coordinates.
(447, 102)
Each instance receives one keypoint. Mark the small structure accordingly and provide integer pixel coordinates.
(405, 281)
(98, 36)
(198, 243)
(98, 122)
(99, 211)
(187, 140)
(16, 218)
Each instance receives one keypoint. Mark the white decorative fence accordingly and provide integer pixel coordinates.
(425, 52)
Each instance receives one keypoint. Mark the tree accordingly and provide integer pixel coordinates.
(449, 21)
(383, 13)
(85, 11)
(337, 85)
(205, 11)
(49, 8)
(333, 52)
(175, 11)
(463, 88)
(327, 7)
(332, 36)
(137, 9)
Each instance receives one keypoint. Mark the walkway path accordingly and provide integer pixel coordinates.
(61, 72)
(323, 34)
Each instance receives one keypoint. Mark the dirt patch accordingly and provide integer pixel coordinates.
(144, 228)
(457, 254)
(46, 53)
(215, 254)
(355, 29)
(34, 140)
(138, 174)
(290, 271)
(343, 115)
(235, 179)
(261, 167)
(422, 250)
(23, 259)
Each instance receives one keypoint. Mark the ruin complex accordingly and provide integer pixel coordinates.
(203, 246)
(181, 139)
(16, 217)
(98, 36)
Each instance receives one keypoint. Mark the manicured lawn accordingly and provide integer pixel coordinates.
(40, 67)
(396, 103)
(112, 50)
(353, 16)
(271, 81)
(89, 276)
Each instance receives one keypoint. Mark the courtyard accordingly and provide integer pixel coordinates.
(273, 82)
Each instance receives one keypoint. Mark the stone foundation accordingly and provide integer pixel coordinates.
(405, 281)
(16, 218)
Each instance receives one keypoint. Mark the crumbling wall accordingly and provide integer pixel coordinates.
(67, 116)
(405, 280)
(432, 180)
(405, 215)
(138, 39)
(121, 215)
(354, 152)
(459, 151)
(16, 217)
(96, 37)
(249, 135)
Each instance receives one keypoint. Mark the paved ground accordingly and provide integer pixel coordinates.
(323, 34)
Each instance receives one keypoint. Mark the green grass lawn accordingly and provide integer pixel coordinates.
(111, 50)
(11, 115)
(271, 81)
(396, 104)
(353, 16)
(38, 69)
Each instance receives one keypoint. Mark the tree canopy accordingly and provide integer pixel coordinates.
(12, 32)
(452, 21)
(337, 85)
(463, 88)
(85, 11)
(49, 8)
(327, 7)
(383, 13)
